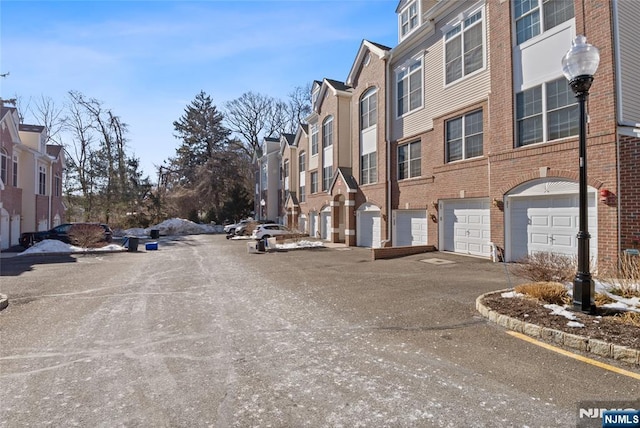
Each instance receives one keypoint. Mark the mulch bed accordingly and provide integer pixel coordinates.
(603, 325)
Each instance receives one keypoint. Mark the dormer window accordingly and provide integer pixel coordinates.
(408, 19)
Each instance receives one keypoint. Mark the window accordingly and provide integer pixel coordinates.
(285, 170)
(528, 18)
(327, 132)
(464, 51)
(301, 170)
(368, 168)
(4, 166)
(314, 139)
(314, 182)
(464, 136)
(409, 160)
(409, 87)
(551, 106)
(42, 181)
(369, 109)
(408, 19)
(58, 185)
(327, 175)
(15, 171)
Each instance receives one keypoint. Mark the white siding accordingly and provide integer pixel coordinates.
(438, 99)
(629, 60)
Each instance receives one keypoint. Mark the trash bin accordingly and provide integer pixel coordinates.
(155, 234)
(260, 245)
(133, 244)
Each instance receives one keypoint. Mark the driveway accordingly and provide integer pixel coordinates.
(202, 333)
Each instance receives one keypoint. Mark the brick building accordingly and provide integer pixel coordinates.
(465, 135)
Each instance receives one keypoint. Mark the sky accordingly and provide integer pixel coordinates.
(147, 60)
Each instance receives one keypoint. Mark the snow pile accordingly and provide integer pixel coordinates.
(175, 226)
(54, 246)
(299, 244)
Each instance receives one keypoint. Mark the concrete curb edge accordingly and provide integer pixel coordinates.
(4, 301)
(557, 337)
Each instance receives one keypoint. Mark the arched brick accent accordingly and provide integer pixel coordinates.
(551, 173)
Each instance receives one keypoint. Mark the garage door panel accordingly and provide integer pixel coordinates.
(369, 229)
(466, 227)
(548, 224)
(410, 228)
(562, 221)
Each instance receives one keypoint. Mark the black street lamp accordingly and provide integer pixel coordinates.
(579, 65)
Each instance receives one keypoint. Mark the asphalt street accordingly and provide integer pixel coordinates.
(201, 333)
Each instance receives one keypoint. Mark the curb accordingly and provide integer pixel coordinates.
(4, 301)
(557, 337)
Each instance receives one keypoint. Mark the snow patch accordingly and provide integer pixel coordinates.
(562, 311)
(511, 294)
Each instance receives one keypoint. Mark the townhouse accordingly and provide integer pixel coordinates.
(30, 179)
(465, 135)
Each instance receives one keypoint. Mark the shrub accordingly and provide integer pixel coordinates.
(632, 318)
(548, 292)
(546, 267)
(602, 299)
(624, 277)
(86, 235)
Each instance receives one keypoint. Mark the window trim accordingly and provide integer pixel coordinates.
(459, 23)
(542, 26)
(373, 168)
(464, 136)
(327, 142)
(371, 93)
(399, 69)
(416, 16)
(544, 112)
(4, 166)
(314, 139)
(14, 171)
(313, 184)
(408, 145)
(42, 180)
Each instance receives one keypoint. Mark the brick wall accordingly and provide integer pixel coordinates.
(629, 192)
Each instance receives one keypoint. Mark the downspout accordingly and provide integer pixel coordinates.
(619, 119)
(50, 193)
(388, 118)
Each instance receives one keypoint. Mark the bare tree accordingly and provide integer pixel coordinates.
(48, 114)
(299, 106)
(253, 116)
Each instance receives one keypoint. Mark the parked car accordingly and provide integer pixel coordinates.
(247, 228)
(268, 230)
(231, 228)
(61, 233)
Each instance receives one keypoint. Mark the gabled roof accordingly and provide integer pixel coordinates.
(54, 150)
(293, 199)
(287, 140)
(9, 115)
(31, 128)
(303, 128)
(349, 180)
(336, 87)
(380, 51)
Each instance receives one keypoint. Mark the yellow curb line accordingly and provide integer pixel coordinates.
(575, 356)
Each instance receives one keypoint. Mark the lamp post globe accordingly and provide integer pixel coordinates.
(579, 65)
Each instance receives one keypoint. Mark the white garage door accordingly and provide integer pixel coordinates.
(549, 224)
(466, 227)
(325, 224)
(410, 228)
(368, 233)
(302, 223)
